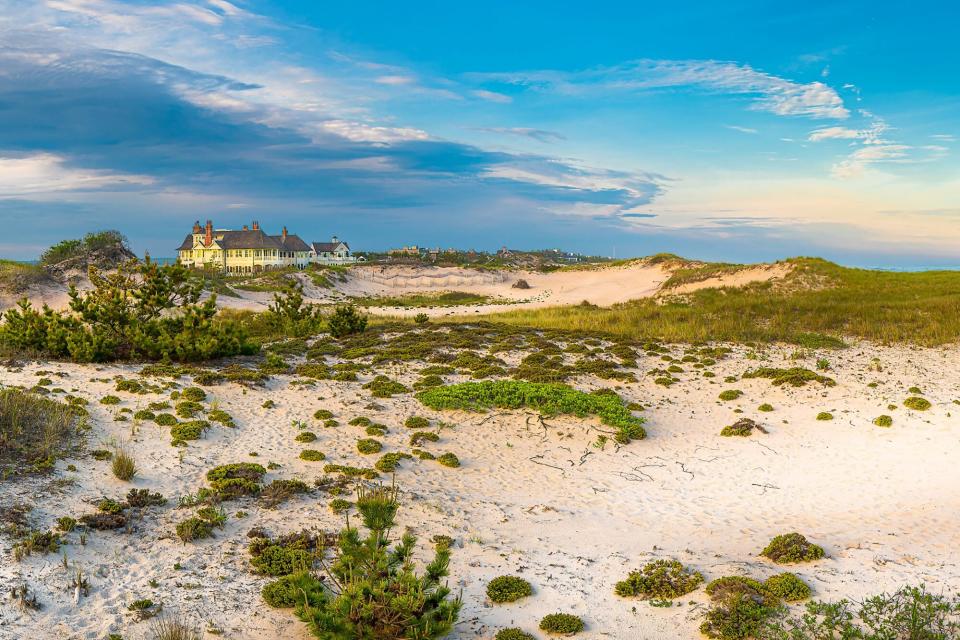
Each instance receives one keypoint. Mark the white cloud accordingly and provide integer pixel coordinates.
(395, 80)
(856, 164)
(492, 96)
(47, 172)
(834, 133)
(772, 93)
(540, 135)
(741, 129)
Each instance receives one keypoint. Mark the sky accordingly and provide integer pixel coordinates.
(741, 131)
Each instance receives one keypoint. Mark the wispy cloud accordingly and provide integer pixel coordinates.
(741, 129)
(540, 135)
(770, 92)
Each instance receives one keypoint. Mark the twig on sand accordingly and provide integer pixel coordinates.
(764, 486)
(536, 460)
(683, 467)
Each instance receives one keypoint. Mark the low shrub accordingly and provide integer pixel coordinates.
(192, 430)
(824, 415)
(508, 589)
(561, 623)
(419, 437)
(194, 394)
(312, 455)
(917, 403)
(384, 387)
(34, 431)
(388, 463)
(513, 633)
(367, 446)
(787, 587)
(766, 407)
(449, 460)
(109, 400)
(279, 491)
(742, 427)
(660, 579)
(416, 422)
(322, 414)
(289, 591)
(548, 398)
(792, 547)
(339, 505)
(194, 528)
(794, 376)
(346, 320)
(883, 421)
(306, 436)
(351, 472)
(730, 394)
(740, 616)
(165, 419)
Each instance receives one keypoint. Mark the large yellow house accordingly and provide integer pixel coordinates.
(248, 250)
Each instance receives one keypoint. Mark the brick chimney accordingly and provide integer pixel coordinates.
(284, 234)
(197, 228)
(256, 226)
(209, 239)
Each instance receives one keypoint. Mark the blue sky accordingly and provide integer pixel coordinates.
(738, 131)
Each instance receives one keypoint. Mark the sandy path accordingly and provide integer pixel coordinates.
(543, 503)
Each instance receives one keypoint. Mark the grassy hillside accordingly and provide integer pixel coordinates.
(816, 305)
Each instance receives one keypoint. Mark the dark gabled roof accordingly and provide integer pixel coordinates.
(187, 243)
(328, 247)
(291, 243)
(250, 239)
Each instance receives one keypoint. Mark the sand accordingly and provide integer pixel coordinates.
(537, 500)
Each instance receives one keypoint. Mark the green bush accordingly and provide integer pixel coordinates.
(513, 633)
(548, 398)
(194, 394)
(416, 422)
(351, 472)
(194, 529)
(346, 320)
(192, 430)
(124, 467)
(508, 589)
(246, 470)
(730, 394)
(384, 387)
(419, 437)
(742, 427)
(449, 460)
(140, 311)
(561, 623)
(388, 463)
(281, 560)
(883, 421)
(288, 591)
(794, 376)
(824, 415)
(375, 587)
(312, 455)
(109, 400)
(306, 436)
(792, 547)
(188, 409)
(765, 407)
(910, 613)
(339, 505)
(165, 419)
(917, 403)
(787, 587)
(323, 414)
(660, 579)
(34, 431)
(740, 616)
(367, 446)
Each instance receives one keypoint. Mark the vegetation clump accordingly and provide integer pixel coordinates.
(124, 467)
(346, 320)
(824, 415)
(390, 462)
(742, 427)
(787, 586)
(288, 591)
(367, 446)
(508, 589)
(548, 398)
(883, 421)
(917, 403)
(416, 422)
(792, 547)
(513, 633)
(449, 460)
(312, 455)
(291, 553)
(730, 394)
(384, 387)
(34, 431)
(140, 311)
(660, 579)
(794, 376)
(565, 623)
(374, 590)
(230, 481)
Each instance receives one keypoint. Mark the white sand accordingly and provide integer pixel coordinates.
(542, 503)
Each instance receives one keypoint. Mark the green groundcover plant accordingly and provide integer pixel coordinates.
(548, 398)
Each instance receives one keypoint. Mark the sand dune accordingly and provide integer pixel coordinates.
(534, 499)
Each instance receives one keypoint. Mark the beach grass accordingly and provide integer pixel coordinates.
(819, 304)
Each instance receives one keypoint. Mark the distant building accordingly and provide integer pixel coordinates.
(251, 250)
(334, 252)
(412, 250)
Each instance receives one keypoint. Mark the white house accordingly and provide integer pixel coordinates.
(334, 252)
